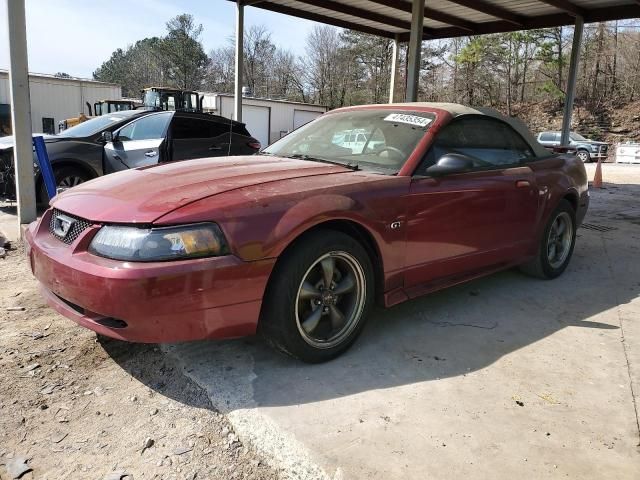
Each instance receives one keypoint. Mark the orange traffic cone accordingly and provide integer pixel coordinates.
(597, 178)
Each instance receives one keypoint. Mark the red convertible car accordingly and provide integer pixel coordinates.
(379, 202)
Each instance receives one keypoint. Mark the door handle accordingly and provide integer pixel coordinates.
(150, 153)
(215, 147)
(523, 184)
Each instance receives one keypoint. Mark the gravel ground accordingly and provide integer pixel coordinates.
(77, 406)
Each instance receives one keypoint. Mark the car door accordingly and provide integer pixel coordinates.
(196, 137)
(472, 221)
(557, 139)
(139, 143)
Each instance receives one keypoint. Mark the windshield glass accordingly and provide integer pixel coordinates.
(93, 126)
(577, 137)
(379, 140)
(164, 101)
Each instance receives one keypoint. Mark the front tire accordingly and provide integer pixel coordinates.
(584, 156)
(556, 245)
(66, 177)
(318, 297)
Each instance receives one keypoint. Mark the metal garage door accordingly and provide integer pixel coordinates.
(257, 121)
(300, 117)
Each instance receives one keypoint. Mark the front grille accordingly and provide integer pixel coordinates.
(78, 226)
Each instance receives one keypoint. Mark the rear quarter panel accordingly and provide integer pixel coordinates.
(558, 177)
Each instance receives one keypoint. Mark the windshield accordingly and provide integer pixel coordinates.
(379, 140)
(93, 126)
(164, 101)
(577, 137)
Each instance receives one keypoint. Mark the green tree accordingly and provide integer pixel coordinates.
(185, 58)
(140, 65)
(176, 60)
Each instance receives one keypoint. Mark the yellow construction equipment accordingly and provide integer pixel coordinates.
(99, 108)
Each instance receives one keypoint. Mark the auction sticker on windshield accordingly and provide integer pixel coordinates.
(408, 119)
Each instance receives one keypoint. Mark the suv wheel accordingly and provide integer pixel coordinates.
(66, 177)
(584, 156)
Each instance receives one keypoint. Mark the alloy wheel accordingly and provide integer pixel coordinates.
(583, 156)
(330, 299)
(559, 241)
(70, 181)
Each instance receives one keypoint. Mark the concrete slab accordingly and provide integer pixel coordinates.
(504, 377)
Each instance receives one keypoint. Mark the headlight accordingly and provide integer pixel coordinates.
(158, 244)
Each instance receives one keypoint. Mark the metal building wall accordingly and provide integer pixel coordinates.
(282, 112)
(60, 98)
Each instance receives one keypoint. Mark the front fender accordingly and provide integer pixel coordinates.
(312, 212)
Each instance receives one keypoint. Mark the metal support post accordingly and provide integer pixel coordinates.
(21, 111)
(570, 95)
(415, 50)
(237, 110)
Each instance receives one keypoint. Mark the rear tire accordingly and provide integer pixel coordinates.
(556, 245)
(66, 177)
(318, 297)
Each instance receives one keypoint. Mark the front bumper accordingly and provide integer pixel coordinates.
(147, 302)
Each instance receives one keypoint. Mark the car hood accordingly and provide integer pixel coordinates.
(143, 195)
(6, 143)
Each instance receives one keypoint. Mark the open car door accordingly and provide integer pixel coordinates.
(139, 143)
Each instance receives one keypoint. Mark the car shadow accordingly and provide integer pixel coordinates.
(446, 334)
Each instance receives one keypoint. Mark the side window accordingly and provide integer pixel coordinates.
(48, 125)
(547, 137)
(490, 142)
(185, 127)
(145, 128)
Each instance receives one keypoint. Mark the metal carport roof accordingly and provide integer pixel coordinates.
(402, 20)
(452, 18)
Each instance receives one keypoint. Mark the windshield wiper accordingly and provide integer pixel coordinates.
(301, 156)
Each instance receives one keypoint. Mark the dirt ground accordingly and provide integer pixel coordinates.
(77, 406)
(507, 376)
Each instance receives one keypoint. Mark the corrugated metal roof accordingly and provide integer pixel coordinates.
(49, 76)
(451, 18)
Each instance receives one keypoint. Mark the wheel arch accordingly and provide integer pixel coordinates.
(66, 162)
(572, 197)
(585, 150)
(355, 230)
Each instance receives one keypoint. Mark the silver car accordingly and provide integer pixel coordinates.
(130, 139)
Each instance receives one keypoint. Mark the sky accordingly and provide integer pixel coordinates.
(76, 36)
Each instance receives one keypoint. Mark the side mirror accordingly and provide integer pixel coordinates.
(107, 136)
(451, 163)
